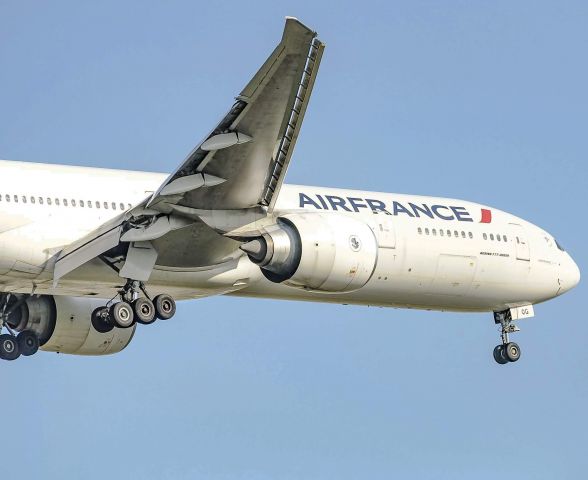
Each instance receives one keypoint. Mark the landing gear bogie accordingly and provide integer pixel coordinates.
(131, 309)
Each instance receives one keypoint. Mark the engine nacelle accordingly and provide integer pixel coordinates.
(63, 324)
(327, 253)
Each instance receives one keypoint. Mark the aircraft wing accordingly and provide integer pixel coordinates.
(241, 164)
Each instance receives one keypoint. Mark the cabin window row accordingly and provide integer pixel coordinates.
(498, 237)
(443, 233)
(65, 202)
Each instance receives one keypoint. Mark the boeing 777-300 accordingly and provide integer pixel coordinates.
(86, 254)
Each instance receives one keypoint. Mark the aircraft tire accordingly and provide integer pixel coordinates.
(165, 306)
(28, 343)
(122, 315)
(99, 322)
(9, 347)
(512, 352)
(144, 311)
(499, 355)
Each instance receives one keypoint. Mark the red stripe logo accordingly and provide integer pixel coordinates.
(486, 216)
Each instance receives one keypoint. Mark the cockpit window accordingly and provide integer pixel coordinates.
(559, 246)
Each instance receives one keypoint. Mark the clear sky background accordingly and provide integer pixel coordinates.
(479, 100)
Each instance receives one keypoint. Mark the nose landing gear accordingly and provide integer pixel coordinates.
(507, 351)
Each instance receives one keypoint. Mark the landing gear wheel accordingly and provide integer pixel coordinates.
(144, 310)
(101, 320)
(122, 315)
(9, 347)
(165, 307)
(499, 355)
(28, 343)
(512, 352)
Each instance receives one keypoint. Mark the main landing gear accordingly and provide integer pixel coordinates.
(13, 345)
(133, 309)
(507, 351)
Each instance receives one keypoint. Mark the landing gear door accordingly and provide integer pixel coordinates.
(385, 233)
(521, 242)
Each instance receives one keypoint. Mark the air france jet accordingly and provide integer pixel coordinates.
(86, 254)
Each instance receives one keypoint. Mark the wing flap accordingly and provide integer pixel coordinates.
(88, 248)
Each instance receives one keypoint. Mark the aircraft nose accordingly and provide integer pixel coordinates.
(570, 275)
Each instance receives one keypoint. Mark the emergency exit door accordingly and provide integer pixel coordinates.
(521, 242)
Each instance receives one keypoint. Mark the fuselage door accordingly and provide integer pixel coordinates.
(521, 242)
(385, 233)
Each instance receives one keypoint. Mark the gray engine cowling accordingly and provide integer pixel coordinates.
(63, 324)
(313, 251)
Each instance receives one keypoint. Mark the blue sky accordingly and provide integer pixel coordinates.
(478, 100)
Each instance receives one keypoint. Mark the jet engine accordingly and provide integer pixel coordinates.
(63, 324)
(314, 251)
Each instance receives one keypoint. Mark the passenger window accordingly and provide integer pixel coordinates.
(420, 230)
(114, 205)
(32, 199)
(73, 203)
(7, 198)
(498, 237)
(484, 236)
(57, 202)
(435, 232)
(504, 238)
(40, 200)
(97, 204)
(81, 203)
(427, 231)
(106, 205)
(470, 234)
(48, 201)
(462, 234)
(122, 206)
(130, 206)
(65, 202)
(24, 199)
(491, 236)
(518, 241)
(16, 198)
(89, 203)
(455, 233)
(449, 233)
(441, 232)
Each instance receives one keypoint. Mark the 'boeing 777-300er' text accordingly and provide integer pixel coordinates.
(225, 223)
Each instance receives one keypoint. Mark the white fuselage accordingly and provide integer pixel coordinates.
(433, 253)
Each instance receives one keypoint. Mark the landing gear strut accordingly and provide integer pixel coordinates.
(133, 309)
(507, 351)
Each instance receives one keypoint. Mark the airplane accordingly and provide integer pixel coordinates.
(86, 254)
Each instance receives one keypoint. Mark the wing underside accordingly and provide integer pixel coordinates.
(240, 165)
